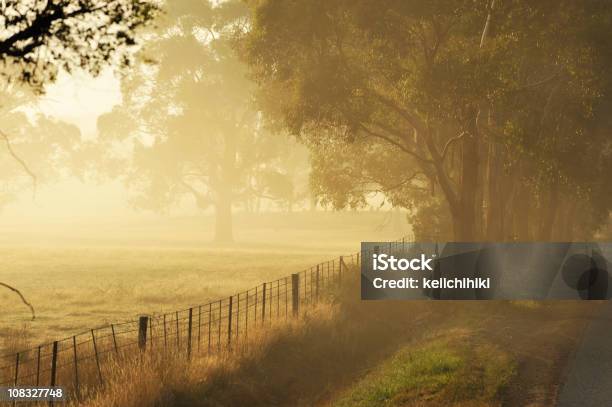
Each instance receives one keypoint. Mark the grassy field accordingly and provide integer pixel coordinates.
(93, 276)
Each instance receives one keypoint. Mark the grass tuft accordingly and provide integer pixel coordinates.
(438, 371)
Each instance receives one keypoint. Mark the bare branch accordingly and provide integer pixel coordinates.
(410, 117)
(450, 142)
(22, 298)
(202, 200)
(393, 142)
(538, 83)
(485, 31)
(20, 161)
(385, 188)
(407, 180)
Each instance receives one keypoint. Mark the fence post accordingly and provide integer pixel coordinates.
(340, 264)
(286, 300)
(295, 293)
(151, 332)
(16, 368)
(93, 337)
(229, 322)
(178, 335)
(165, 334)
(317, 282)
(114, 339)
(209, 324)
(189, 326)
(53, 364)
(76, 368)
(277, 299)
(16, 373)
(219, 325)
(256, 301)
(199, 326)
(246, 316)
(53, 367)
(263, 305)
(143, 322)
(238, 316)
(38, 367)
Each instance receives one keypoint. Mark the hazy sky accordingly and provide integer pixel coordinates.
(78, 99)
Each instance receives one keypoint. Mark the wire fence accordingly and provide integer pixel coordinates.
(82, 360)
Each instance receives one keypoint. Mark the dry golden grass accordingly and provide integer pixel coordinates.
(148, 268)
(330, 350)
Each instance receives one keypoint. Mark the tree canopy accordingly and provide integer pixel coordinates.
(189, 118)
(40, 37)
(484, 104)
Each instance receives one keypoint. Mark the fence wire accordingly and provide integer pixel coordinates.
(203, 329)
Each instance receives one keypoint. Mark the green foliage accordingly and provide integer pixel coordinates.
(427, 82)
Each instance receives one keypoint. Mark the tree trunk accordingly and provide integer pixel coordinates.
(548, 213)
(223, 217)
(470, 164)
(223, 222)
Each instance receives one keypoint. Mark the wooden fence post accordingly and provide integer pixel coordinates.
(16, 368)
(295, 293)
(38, 367)
(209, 323)
(143, 322)
(53, 364)
(277, 299)
(317, 282)
(151, 331)
(238, 316)
(256, 301)
(189, 327)
(165, 334)
(286, 300)
(114, 339)
(199, 326)
(263, 305)
(229, 322)
(219, 325)
(76, 368)
(246, 316)
(93, 337)
(178, 335)
(16, 374)
(340, 264)
(53, 367)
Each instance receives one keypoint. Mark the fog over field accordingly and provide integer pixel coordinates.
(161, 157)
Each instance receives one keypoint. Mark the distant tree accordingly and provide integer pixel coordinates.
(189, 118)
(283, 177)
